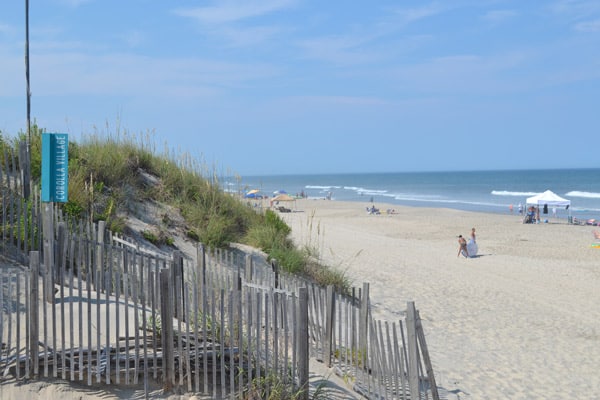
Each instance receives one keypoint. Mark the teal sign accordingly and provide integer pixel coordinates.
(55, 167)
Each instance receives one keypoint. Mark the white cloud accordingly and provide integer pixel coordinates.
(74, 3)
(576, 8)
(130, 75)
(227, 21)
(408, 15)
(348, 49)
(340, 100)
(232, 11)
(133, 38)
(499, 16)
(588, 26)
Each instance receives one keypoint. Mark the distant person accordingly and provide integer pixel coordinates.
(510, 208)
(554, 211)
(472, 244)
(520, 209)
(462, 247)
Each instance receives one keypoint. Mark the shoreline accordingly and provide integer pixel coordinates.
(501, 325)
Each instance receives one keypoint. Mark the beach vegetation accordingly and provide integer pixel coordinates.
(273, 387)
(111, 174)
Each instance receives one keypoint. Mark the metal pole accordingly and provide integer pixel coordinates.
(27, 71)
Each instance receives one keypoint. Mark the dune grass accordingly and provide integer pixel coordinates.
(109, 173)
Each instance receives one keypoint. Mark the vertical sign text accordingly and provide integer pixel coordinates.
(55, 167)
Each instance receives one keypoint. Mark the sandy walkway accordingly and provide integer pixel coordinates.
(520, 321)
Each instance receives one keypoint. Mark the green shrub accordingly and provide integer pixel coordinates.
(288, 259)
(273, 220)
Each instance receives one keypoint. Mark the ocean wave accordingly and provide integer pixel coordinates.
(587, 195)
(362, 190)
(321, 187)
(454, 201)
(507, 193)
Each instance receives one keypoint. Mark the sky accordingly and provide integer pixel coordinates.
(301, 86)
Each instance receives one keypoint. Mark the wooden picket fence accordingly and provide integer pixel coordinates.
(81, 304)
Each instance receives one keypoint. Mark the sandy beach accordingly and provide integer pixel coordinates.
(519, 321)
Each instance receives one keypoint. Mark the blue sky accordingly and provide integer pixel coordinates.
(294, 86)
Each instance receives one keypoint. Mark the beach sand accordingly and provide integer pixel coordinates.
(519, 321)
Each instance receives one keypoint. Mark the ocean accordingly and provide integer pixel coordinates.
(483, 191)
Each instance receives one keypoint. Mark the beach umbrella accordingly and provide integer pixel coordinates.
(252, 194)
(280, 191)
(283, 197)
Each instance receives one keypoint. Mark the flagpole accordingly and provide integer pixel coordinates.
(27, 70)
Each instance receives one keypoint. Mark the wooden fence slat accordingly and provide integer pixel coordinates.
(18, 311)
(302, 334)
(61, 262)
(413, 366)
(167, 330)
(329, 325)
(34, 327)
(10, 309)
(136, 323)
(186, 353)
(426, 358)
(222, 342)
(72, 346)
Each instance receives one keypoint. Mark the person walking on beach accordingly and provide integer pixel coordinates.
(472, 245)
(462, 246)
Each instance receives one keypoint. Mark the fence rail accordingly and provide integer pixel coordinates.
(84, 305)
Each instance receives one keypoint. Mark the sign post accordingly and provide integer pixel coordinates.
(55, 188)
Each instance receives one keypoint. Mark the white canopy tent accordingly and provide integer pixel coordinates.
(550, 199)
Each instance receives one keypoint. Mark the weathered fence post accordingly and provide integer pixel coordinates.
(201, 273)
(166, 317)
(60, 251)
(428, 366)
(48, 234)
(413, 350)
(302, 335)
(363, 325)
(249, 268)
(178, 297)
(329, 321)
(275, 267)
(34, 320)
(99, 256)
(25, 164)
